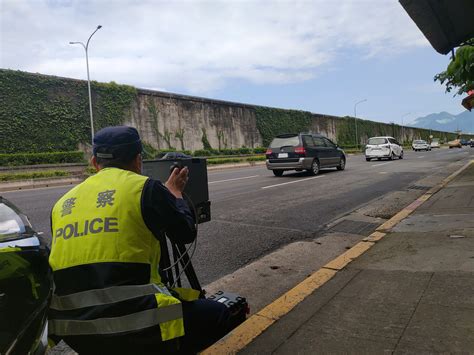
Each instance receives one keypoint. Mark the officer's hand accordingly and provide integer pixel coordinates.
(177, 181)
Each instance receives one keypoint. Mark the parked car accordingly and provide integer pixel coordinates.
(464, 141)
(303, 151)
(383, 147)
(456, 143)
(25, 284)
(435, 143)
(175, 155)
(471, 143)
(420, 145)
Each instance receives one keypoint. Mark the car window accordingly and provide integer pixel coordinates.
(308, 140)
(287, 141)
(377, 141)
(329, 143)
(10, 222)
(319, 142)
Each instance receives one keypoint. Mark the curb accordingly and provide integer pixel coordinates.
(260, 321)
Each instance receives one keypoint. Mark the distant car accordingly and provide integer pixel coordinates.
(25, 284)
(435, 143)
(464, 141)
(420, 145)
(303, 151)
(175, 155)
(383, 147)
(471, 144)
(455, 144)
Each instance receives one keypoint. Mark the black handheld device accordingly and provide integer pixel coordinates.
(196, 189)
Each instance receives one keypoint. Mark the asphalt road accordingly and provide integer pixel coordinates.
(254, 213)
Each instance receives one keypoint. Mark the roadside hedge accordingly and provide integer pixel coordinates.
(41, 158)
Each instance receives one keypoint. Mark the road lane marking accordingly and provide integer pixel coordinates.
(382, 172)
(381, 164)
(292, 182)
(241, 178)
(421, 157)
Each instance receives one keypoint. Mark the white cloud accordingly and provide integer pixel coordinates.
(197, 46)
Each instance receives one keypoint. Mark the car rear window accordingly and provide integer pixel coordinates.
(377, 141)
(287, 141)
(419, 142)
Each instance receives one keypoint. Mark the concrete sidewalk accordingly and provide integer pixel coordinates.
(411, 292)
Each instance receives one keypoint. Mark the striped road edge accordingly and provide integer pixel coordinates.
(241, 336)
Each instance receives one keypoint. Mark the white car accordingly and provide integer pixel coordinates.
(435, 143)
(420, 145)
(383, 147)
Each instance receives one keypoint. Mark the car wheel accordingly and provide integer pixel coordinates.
(367, 159)
(392, 156)
(314, 167)
(342, 164)
(277, 172)
(401, 155)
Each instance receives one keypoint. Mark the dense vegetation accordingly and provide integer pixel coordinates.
(273, 121)
(459, 74)
(44, 113)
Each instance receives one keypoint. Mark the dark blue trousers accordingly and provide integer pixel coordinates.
(205, 322)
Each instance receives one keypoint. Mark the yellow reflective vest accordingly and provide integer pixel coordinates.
(100, 221)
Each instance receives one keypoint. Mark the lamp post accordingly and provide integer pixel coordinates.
(86, 48)
(406, 114)
(355, 121)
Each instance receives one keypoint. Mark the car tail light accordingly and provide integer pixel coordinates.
(300, 150)
(268, 152)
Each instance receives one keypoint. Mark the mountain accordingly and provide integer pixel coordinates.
(445, 121)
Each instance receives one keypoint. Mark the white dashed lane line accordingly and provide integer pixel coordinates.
(293, 182)
(234, 179)
(381, 164)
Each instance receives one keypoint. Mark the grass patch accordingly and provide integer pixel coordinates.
(33, 175)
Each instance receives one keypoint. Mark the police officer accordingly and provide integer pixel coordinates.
(105, 255)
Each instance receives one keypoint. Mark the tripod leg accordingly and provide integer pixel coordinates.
(176, 266)
(165, 263)
(189, 269)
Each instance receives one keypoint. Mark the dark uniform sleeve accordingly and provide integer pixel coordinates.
(162, 212)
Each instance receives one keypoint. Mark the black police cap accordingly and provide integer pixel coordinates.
(117, 142)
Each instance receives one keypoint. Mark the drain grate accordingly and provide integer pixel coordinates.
(419, 187)
(354, 227)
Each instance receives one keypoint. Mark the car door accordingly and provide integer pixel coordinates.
(322, 151)
(310, 147)
(396, 148)
(333, 154)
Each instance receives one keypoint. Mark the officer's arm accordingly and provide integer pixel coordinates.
(163, 212)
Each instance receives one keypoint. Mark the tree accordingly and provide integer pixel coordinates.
(460, 71)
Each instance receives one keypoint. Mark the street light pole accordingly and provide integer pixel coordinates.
(86, 48)
(403, 130)
(355, 121)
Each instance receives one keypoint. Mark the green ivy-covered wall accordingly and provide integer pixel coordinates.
(46, 113)
(40, 113)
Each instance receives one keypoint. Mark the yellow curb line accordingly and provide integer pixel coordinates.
(260, 321)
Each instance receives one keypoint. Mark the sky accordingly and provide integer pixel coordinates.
(322, 56)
